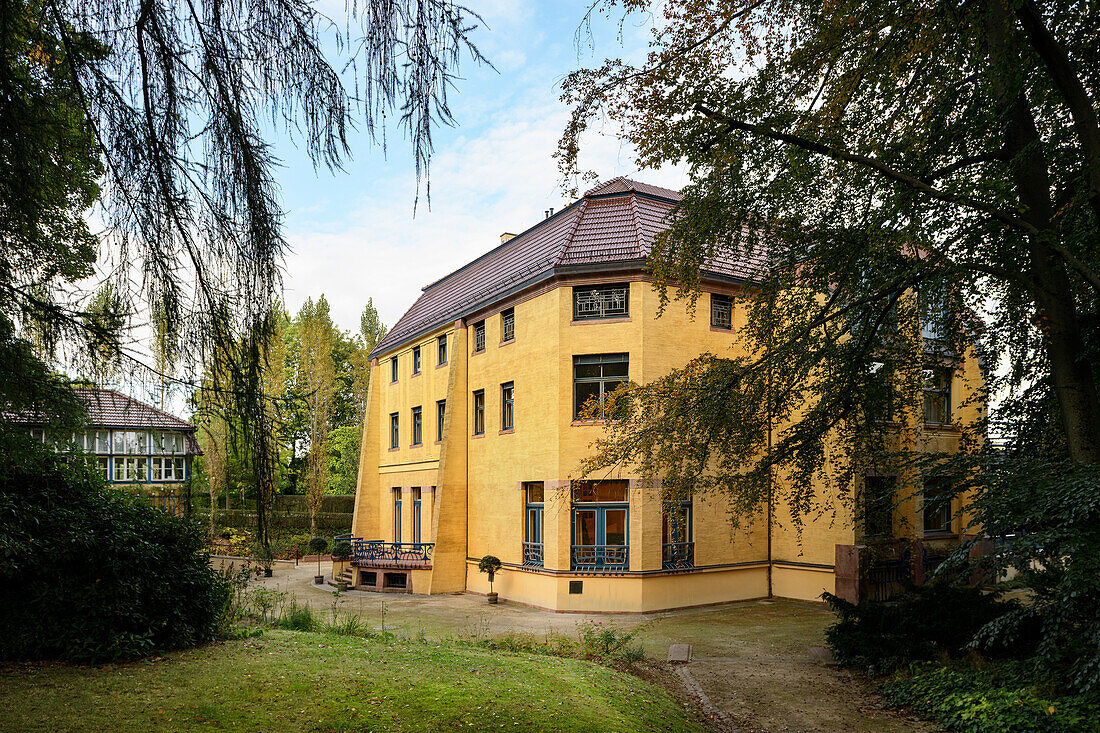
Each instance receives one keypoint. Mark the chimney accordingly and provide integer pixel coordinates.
(507, 236)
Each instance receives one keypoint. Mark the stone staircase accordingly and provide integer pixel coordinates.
(346, 576)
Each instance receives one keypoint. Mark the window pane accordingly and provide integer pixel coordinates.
(615, 526)
(586, 527)
(620, 369)
(583, 392)
(534, 491)
(585, 491)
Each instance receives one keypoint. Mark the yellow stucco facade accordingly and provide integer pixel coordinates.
(471, 483)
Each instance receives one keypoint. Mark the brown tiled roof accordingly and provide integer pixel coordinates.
(616, 221)
(107, 408)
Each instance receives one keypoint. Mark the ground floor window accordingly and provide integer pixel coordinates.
(601, 523)
(532, 530)
(937, 505)
(678, 547)
(878, 505)
(416, 514)
(131, 469)
(168, 469)
(397, 514)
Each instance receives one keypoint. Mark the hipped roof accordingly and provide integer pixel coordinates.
(617, 221)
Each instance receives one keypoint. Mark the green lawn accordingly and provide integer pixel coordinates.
(292, 681)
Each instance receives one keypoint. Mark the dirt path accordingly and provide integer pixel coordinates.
(751, 660)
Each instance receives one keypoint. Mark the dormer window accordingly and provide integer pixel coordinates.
(599, 302)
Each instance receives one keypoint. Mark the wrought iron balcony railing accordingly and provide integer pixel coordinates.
(678, 555)
(532, 554)
(402, 555)
(601, 558)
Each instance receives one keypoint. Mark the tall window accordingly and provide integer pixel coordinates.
(878, 505)
(416, 514)
(479, 412)
(440, 414)
(601, 518)
(937, 395)
(395, 435)
(593, 302)
(507, 406)
(595, 376)
(937, 505)
(678, 549)
(418, 432)
(393, 369)
(442, 347)
(131, 469)
(396, 513)
(479, 336)
(168, 443)
(167, 469)
(133, 442)
(532, 523)
(508, 324)
(721, 311)
(416, 360)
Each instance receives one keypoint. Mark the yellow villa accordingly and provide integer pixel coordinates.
(472, 434)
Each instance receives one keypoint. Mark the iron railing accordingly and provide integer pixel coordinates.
(601, 558)
(888, 576)
(678, 555)
(532, 554)
(379, 554)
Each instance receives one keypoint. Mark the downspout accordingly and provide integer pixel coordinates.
(771, 468)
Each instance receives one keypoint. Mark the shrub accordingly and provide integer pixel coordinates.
(603, 641)
(341, 550)
(89, 573)
(924, 623)
(297, 618)
(997, 698)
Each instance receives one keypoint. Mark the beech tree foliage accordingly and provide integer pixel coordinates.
(892, 165)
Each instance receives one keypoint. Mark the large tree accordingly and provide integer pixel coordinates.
(880, 159)
(152, 110)
(316, 384)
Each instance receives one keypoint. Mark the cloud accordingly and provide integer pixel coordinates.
(500, 179)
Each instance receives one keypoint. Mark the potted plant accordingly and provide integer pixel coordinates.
(341, 550)
(318, 545)
(265, 556)
(490, 565)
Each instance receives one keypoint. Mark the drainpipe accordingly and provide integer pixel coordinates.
(771, 469)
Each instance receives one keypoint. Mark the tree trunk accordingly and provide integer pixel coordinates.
(1071, 375)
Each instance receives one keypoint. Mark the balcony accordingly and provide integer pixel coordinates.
(601, 558)
(391, 555)
(678, 556)
(532, 554)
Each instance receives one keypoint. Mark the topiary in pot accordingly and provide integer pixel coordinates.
(318, 545)
(490, 565)
(341, 550)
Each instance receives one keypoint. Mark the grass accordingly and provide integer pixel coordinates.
(296, 681)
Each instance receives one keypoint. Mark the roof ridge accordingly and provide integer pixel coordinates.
(572, 232)
(637, 222)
